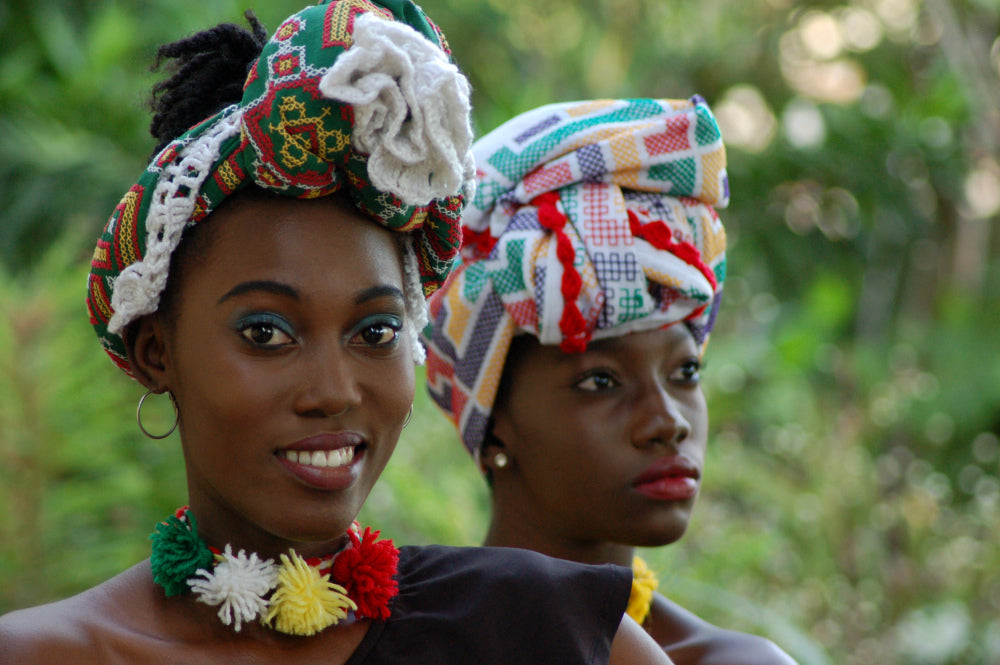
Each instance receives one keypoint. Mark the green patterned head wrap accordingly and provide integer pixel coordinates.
(358, 95)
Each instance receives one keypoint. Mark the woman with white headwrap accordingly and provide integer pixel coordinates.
(567, 347)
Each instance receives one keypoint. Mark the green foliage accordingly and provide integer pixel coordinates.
(852, 499)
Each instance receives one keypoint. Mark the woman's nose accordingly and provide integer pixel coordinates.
(329, 385)
(659, 420)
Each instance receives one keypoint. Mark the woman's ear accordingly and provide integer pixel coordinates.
(494, 456)
(146, 345)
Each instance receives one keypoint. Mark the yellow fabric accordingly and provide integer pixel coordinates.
(644, 583)
(305, 602)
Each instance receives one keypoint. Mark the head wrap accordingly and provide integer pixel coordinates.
(590, 220)
(348, 94)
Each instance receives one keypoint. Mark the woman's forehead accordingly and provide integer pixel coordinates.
(298, 242)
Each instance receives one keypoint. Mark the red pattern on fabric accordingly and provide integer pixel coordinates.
(572, 324)
(659, 236)
(673, 139)
(480, 242)
(524, 313)
(600, 227)
(287, 30)
(545, 179)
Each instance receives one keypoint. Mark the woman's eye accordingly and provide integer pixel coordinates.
(379, 333)
(264, 333)
(689, 372)
(597, 382)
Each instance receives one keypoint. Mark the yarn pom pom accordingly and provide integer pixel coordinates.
(411, 110)
(178, 553)
(305, 602)
(644, 583)
(367, 569)
(238, 584)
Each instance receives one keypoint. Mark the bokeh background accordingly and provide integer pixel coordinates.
(851, 506)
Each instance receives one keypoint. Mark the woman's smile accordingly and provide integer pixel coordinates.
(328, 461)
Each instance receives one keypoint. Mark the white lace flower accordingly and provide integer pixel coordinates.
(238, 585)
(411, 110)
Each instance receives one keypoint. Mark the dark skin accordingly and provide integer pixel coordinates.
(284, 334)
(605, 453)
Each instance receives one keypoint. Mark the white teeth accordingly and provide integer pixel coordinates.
(321, 458)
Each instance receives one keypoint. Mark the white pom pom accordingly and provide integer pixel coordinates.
(238, 585)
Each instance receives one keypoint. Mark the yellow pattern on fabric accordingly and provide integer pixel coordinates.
(100, 300)
(305, 602)
(290, 108)
(628, 161)
(586, 108)
(126, 228)
(713, 239)
(340, 19)
(644, 583)
(228, 176)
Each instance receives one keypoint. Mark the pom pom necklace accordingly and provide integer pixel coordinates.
(644, 583)
(297, 596)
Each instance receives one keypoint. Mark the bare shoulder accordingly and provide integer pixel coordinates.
(689, 639)
(69, 630)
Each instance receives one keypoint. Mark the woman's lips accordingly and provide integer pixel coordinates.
(673, 478)
(326, 461)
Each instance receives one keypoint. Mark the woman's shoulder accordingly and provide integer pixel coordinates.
(503, 566)
(70, 630)
(488, 600)
(687, 638)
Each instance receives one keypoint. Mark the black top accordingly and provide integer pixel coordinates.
(496, 605)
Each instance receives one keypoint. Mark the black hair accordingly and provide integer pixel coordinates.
(208, 70)
(206, 74)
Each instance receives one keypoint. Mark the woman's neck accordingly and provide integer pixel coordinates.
(520, 533)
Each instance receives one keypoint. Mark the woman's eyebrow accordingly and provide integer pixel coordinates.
(276, 288)
(379, 291)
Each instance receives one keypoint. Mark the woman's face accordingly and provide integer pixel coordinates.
(606, 446)
(286, 353)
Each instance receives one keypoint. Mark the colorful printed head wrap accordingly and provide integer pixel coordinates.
(348, 94)
(590, 220)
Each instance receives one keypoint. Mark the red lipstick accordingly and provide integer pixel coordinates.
(673, 478)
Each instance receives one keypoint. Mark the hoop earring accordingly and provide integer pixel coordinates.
(138, 418)
(409, 414)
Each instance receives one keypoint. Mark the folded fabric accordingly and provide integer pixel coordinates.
(590, 220)
(354, 95)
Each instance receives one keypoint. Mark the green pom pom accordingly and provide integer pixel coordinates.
(178, 553)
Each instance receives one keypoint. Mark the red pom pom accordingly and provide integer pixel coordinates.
(367, 570)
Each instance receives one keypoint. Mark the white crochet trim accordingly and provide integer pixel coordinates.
(137, 290)
(416, 303)
(411, 110)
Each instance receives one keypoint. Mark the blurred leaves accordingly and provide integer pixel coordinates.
(852, 499)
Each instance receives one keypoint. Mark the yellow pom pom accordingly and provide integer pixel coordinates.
(644, 583)
(305, 602)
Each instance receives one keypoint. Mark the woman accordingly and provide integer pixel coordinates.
(567, 347)
(267, 273)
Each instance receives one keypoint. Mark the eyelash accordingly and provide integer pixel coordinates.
(391, 322)
(274, 325)
(692, 370)
(690, 376)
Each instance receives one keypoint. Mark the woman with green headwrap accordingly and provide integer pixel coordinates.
(267, 274)
(567, 348)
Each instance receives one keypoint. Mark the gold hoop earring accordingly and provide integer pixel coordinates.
(142, 428)
(500, 460)
(409, 414)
